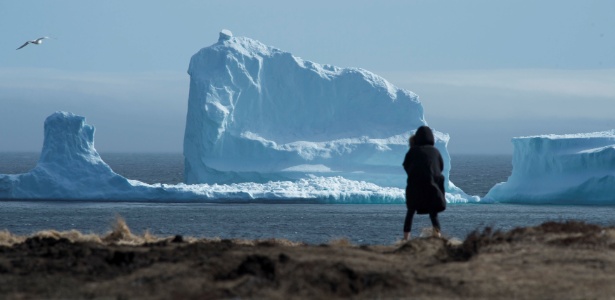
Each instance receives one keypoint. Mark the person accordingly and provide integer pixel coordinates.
(425, 185)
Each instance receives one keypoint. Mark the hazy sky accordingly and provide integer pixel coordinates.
(485, 71)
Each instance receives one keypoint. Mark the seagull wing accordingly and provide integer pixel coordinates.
(24, 44)
(42, 38)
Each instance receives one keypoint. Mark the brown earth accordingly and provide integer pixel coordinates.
(569, 260)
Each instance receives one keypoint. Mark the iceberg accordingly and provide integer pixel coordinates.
(260, 114)
(560, 169)
(262, 125)
(70, 168)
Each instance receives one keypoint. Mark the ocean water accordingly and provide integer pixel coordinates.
(311, 223)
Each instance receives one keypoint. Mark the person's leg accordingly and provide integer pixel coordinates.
(435, 223)
(408, 223)
(409, 216)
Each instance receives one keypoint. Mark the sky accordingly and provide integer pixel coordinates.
(485, 71)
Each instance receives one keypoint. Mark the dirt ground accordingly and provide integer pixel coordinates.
(569, 260)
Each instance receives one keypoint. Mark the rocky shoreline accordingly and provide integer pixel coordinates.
(569, 260)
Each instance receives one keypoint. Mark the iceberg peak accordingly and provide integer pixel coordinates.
(225, 35)
(68, 139)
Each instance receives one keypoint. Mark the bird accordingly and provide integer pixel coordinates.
(36, 42)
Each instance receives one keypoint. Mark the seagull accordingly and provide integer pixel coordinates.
(36, 42)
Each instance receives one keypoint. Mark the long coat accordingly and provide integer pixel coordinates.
(423, 164)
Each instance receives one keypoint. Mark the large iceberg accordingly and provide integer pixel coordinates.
(70, 168)
(560, 169)
(259, 114)
(262, 125)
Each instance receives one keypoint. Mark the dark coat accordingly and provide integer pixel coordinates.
(423, 164)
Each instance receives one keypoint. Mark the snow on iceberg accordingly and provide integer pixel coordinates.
(70, 168)
(259, 114)
(560, 169)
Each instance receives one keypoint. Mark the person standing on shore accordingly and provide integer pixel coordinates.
(425, 185)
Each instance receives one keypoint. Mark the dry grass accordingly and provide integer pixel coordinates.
(71, 235)
(341, 243)
(8, 239)
(121, 234)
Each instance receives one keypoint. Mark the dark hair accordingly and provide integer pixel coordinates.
(424, 136)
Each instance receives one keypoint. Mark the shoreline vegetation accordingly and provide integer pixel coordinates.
(557, 260)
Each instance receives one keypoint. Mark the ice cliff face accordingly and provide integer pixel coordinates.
(560, 169)
(257, 113)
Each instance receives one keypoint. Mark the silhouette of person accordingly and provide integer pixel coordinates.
(425, 185)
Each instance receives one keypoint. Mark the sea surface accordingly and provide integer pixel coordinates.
(311, 223)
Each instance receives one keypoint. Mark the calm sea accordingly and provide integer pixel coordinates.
(312, 223)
